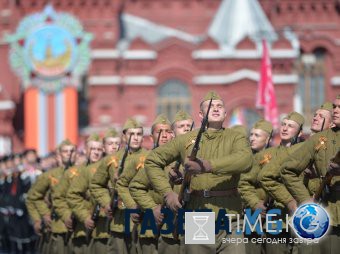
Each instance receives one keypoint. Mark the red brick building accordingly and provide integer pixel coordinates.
(153, 56)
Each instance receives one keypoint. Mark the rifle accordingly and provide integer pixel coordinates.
(158, 138)
(114, 195)
(323, 190)
(70, 232)
(270, 138)
(323, 124)
(94, 217)
(295, 139)
(184, 194)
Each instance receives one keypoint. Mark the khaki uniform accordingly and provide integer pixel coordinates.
(252, 193)
(38, 195)
(229, 155)
(319, 149)
(147, 243)
(105, 174)
(249, 186)
(270, 180)
(82, 205)
(44, 239)
(63, 210)
(141, 190)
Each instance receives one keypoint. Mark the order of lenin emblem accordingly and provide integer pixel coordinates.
(50, 50)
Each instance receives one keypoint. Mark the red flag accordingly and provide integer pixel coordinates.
(266, 94)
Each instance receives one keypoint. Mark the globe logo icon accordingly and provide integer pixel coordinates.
(310, 221)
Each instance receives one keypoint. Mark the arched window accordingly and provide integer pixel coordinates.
(311, 86)
(173, 95)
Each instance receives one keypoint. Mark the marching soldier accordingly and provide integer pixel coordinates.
(322, 120)
(251, 192)
(319, 149)
(94, 152)
(141, 189)
(268, 176)
(39, 197)
(85, 208)
(107, 174)
(223, 155)
(161, 134)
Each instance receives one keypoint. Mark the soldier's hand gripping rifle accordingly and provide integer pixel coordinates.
(323, 190)
(94, 218)
(114, 194)
(184, 194)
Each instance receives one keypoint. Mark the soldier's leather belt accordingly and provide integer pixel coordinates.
(212, 193)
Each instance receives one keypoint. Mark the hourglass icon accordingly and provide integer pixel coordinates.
(200, 221)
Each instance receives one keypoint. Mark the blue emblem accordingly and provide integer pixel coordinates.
(50, 50)
(311, 221)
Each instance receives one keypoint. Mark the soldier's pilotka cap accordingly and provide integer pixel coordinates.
(65, 142)
(240, 129)
(263, 125)
(296, 117)
(327, 106)
(94, 137)
(160, 119)
(181, 115)
(211, 95)
(111, 133)
(131, 123)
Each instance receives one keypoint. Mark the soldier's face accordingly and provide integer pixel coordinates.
(94, 151)
(165, 132)
(136, 138)
(336, 112)
(217, 111)
(66, 152)
(258, 139)
(80, 159)
(288, 130)
(320, 116)
(182, 127)
(112, 144)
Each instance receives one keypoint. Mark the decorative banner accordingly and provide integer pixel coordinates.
(266, 97)
(49, 50)
(50, 118)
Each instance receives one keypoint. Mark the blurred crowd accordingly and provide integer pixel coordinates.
(17, 174)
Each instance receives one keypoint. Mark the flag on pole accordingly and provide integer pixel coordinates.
(266, 98)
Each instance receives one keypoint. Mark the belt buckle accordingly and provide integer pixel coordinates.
(206, 193)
